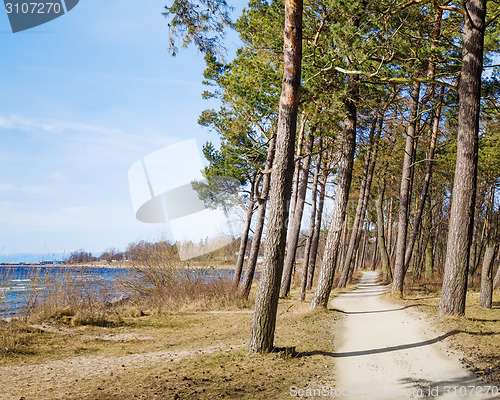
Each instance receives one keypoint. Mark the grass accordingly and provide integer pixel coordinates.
(478, 336)
(182, 354)
(171, 334)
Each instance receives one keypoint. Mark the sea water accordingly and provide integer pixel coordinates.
(20, 284)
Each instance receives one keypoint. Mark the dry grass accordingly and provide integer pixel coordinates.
(478, 336)
(167, 288)
(203, 356)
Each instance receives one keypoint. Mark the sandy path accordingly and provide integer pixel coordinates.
(388, 352)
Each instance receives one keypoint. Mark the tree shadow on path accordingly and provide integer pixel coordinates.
(374, 311)
(378, 351)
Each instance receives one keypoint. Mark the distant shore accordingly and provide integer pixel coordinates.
(121, 265)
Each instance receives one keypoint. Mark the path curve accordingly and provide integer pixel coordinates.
(386, 352)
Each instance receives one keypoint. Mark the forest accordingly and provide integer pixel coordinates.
(388, 109)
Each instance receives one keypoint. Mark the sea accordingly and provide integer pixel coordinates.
(22, 285)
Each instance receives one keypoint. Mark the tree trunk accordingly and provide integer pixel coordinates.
(464, 188)
(496, 281)
(246, 285)
(486, 297)
(244, 239)
(298, 164)
(366, 197)
(405, 194)
(375, 250)
(293, 237)
(384, 256)
(317, 231)
(429, 248)
(325, 282)
(266, 303)
(389, 227)
(359, 215)
(312, 221)
(425, 186)
(365, 247)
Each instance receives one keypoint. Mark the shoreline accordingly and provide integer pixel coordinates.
(119, 265)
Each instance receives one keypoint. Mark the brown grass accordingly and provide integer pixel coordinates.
(204, 357)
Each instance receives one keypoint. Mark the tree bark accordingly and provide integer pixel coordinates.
(266, 303)
(486, 296)
(246, 285)
(244, 239)
(312, 221)
(325, 282)
(293, 236)
(317, 231)
(359, 215)
(298, 165)
(496, 281)
(375, 250)
(366, 197)
(426, 184)
(405, 194)
(365, 246)
(464, 188)
(429, 248)
(384, 256)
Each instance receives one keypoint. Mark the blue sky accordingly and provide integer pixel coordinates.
(82, 98)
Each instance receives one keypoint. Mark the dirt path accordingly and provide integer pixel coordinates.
(389, 352)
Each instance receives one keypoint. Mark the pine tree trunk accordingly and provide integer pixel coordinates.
(244, 239)
(293, 236)
(246, 285)
(365, 246)
(266, 302)
(312, 221)
(325, 282)
(366, 197)
(359, 215)
(426, 184)
(390, 228)
(317, 230)
(298, 165)
(384, 256)
(496, 281)
(486, 297)
(429, 248)
(375, 251)
(405, 194)
(464, 188)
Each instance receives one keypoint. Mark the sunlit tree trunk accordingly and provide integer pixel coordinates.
(464, 188)
(244, 240)
(312, 222)
(359, 215)
(405, 193)
(317, 230)
(486, 297)
(266, 302)
(246, 285)
(325, 281)
(293, 236)
(426, 184)
(298, 165)
(384, 256)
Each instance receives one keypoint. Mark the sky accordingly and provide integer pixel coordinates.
(82, 98)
